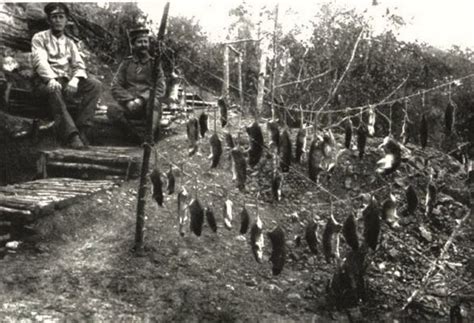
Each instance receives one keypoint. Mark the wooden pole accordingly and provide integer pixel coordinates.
(225, 87)
(274, 66)
(142, 189)
(238, 41)
(261, 81)
(241, 89)
(262, 71)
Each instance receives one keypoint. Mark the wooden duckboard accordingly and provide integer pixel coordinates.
(31, 200)
(103, 162)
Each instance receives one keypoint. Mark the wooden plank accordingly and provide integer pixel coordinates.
(102, 159)
(86, 167)
(87, 153)
(65, 190)
(38, 192)
(99, 151)
(30, 198)
(77, 189)
(51, 201)
(67, 184)
(115, 149)
(12, 214)
(92, 152)
(27, 201)
(14, 202)
(56, 193)
(69, 180)
(22, 203)
(105, 157)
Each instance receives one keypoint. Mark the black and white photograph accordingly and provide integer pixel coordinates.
(237, 161)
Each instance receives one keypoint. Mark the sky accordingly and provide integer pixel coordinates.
(441, 23)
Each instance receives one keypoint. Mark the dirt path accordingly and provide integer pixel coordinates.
(80, 266)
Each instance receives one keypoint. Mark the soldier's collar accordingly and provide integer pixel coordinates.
(143, 60)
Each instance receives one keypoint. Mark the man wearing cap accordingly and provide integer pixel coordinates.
(132, 85)
(61, 75)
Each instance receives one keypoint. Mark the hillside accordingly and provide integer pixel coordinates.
(80, 264)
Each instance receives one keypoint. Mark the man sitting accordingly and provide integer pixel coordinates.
(132, 85)
(61, 74)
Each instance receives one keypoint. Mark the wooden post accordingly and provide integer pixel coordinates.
(225, 86)
(262, 70)
(241, 89)
(140, 225)
(274, 65)
(261, 81)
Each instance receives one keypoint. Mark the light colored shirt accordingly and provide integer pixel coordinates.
(56, 57)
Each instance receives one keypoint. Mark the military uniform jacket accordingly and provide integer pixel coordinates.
(133, 79)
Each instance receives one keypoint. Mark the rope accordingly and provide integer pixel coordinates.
(306, 178)
(348, 109)
(418, 93)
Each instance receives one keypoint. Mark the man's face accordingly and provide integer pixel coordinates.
(141, 44)
(57, 21)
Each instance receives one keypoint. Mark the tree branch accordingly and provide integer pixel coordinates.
(304, 80)
(336, 87)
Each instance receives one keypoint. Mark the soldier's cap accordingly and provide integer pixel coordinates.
(139, 32)
(56, 7)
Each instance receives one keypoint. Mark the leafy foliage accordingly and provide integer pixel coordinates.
(380, 64)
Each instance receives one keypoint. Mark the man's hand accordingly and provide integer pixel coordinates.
(71, 87)
(134, 104)
(27, 73)
(53, 85)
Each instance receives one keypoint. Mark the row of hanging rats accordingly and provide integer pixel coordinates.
(320, 157)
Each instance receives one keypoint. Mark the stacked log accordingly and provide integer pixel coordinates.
(23, 203)
(98, 162)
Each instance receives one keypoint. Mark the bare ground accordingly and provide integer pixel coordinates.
(80, 265)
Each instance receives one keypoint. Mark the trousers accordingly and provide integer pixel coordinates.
(120, 116)
(88, 93)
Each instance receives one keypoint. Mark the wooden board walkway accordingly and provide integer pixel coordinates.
(97, 162)
(28, 201)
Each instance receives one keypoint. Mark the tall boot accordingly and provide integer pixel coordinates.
(85, 135)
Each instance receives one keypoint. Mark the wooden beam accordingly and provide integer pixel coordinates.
(274, 65)
(14, 214)
(86, 167)
(100, 159)
(225, 85)
(241, 89)
(242, 41)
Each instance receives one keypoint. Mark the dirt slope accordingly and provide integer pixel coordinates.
(80, 264)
